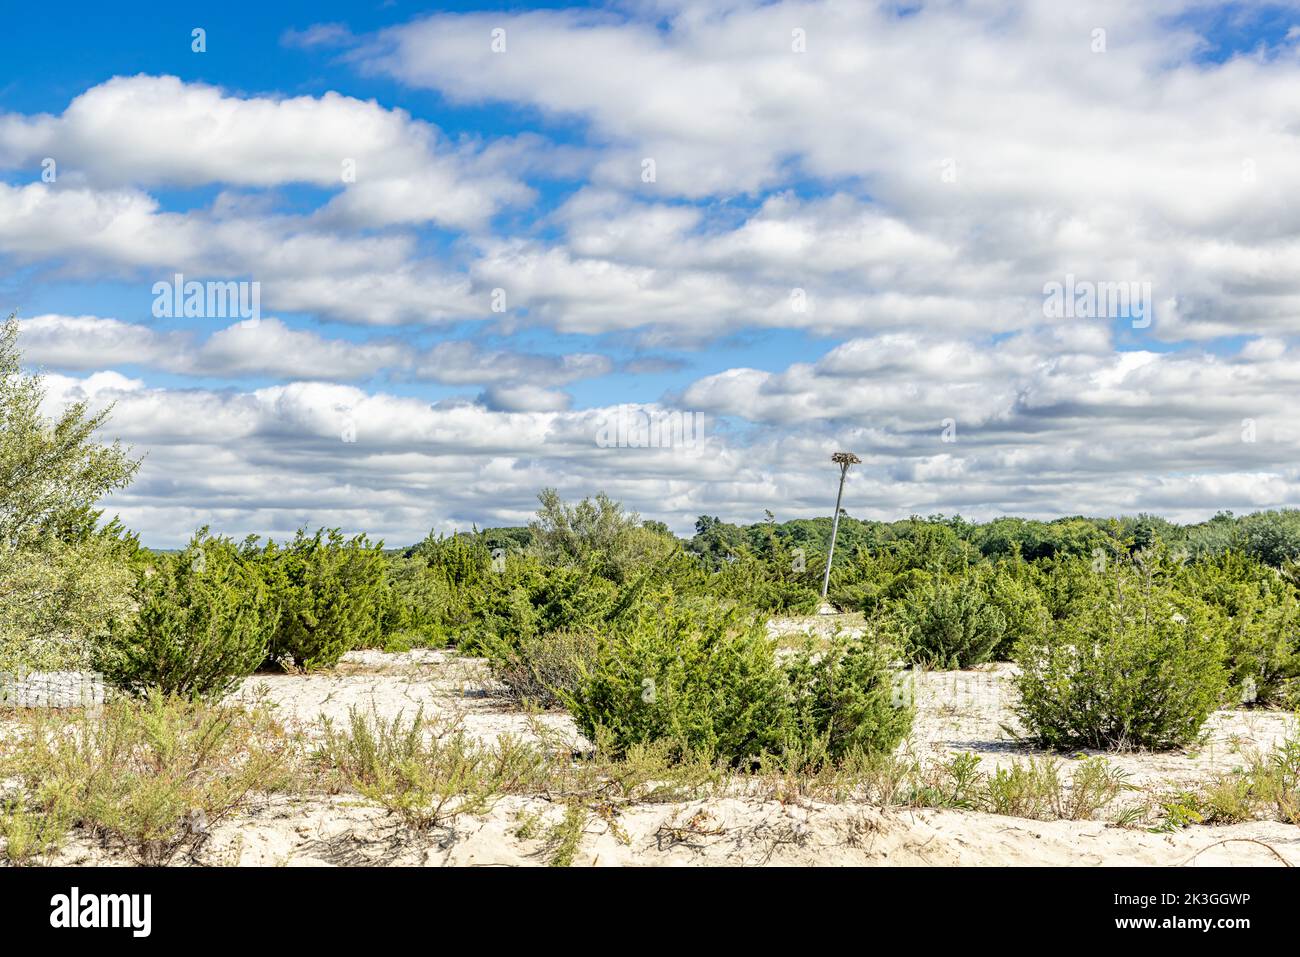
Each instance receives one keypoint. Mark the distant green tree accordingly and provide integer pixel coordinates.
(594, 530)
(659, 528)
(1272, 537)
(715, 540)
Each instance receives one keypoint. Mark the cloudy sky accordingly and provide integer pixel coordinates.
(488, 240)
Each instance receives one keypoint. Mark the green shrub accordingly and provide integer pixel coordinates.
(844, 698)
(527, 599)
(415, 606)
(881, 586)
(1067, 585)
(764, 573)
(779, 583)
(707, 681)
(1261, 624)
(950, 623)
(460, 560)
(1141, 668)
(204, 621)
(1013, 594)
(329, 596)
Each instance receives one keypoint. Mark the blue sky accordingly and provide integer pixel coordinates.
(247, 51)
(845, 244)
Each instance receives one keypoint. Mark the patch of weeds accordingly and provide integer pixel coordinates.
(1034, 789)
(881, 778)
(656, 772)
(30, 835)
(1179, 811)
(427, 774)
(952, 784)
(1095, 784)
(1227, 800)
(565, 838)
(1276, 780)
(601, 785)
(1266, 787)
(528, 826)
(1027, 789)
(151, 777)
(886, 779)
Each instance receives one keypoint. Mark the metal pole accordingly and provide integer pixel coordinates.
(835, 527)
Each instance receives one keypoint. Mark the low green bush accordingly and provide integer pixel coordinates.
(1141, 668)
(204, 620)
(845, 699)
(329, 596)
(527, 599)
(950, 622)
(706, 679)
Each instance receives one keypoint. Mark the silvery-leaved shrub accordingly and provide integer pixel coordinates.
(1140, 666)
(64, 573)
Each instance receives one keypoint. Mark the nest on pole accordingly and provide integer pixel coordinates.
(846, 458)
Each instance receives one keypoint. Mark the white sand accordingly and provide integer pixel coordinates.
(446, 686)
(344, 831)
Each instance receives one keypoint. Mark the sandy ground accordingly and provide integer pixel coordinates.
(956, 712)
(342, 831)
(440, 684)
